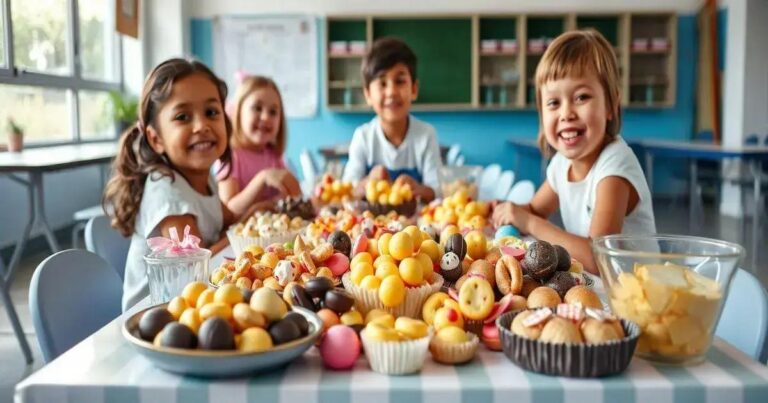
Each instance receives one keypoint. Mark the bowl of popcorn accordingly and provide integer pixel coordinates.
(263, 229)
(672, 286)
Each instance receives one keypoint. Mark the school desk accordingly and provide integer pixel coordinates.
(35, 162)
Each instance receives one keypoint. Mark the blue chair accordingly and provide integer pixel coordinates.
(105, 241)
(453, 154)
(506, 179)
(73, 294)
(744, 321)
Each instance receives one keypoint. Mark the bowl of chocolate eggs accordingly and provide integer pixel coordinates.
(222, 333)
(672, 286)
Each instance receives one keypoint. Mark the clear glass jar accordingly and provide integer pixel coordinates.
(168, 275)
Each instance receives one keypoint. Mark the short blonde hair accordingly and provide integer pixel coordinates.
(247, 86)
(577, 54)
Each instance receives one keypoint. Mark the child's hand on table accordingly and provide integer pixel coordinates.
(510, 214)
(280, 179)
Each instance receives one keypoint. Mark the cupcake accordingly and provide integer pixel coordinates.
(396, 350)
(263, 229)
(367, 299)
(453, 345)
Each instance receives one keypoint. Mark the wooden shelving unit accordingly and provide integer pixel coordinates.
(490, 61)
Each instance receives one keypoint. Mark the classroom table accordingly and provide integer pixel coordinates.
(753, 155)
(35, 162)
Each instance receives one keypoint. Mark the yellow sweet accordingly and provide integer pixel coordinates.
(268, 303)
(206, 297)
(476, 298)
(392, 291)
(378, 315)
(177, 306)
(218, 309)
(245, 317)
(192, 292)
(383, 259)
(383, 243)
(270, 259)
(477, 244)
(435, 302)
(360, 271)
(351, 318)
(432, 249)
(371, 282)
(452, 335)
(228, 294)
(411, 271)
(378, 332)
(427, 267)
(448, 316)
(360, 258)
(254, 340)
(255, 250)
(218, 275)
(401, 246)
(191, 318)
(411, 328)
(415, 234)
(387, 269)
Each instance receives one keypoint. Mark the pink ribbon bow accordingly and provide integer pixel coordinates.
(173, 245)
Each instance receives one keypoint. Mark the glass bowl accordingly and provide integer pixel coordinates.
(672, 286)
(454, 178)
(168, 275)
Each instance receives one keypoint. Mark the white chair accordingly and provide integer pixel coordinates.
(506, 179)
(73, 293)
(105, 241)
(744, 321)
(81, 218)
(460, 161)
(309, 172)
(488, 180)
(522, 192)
(453, 154)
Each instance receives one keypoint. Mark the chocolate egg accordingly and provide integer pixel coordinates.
(216, 334)
(563, 258)
(152, 322)
(357, 328)
(284, 331)
(561, 281)
(338, 300)
(457, 245)
(450, 264)
(340, 242)
(176, 335)
(300, 297)
(300, 321)
(247, 294)
(540, 260)
(318, 286)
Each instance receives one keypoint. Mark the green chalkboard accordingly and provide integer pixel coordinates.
(443, 48)
(608, 26)
(346, 30)
(545, 27)
(498, 28)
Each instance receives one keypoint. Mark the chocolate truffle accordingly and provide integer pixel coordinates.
(177, 335)
(450, 266)
(529, 284)
(296, 207)
(284, 331)
(340, 242)
(318, 286)
(540, 260)
(338, 300)
(300, 321)
(457, 245)
(563, 258)
(300, 297)
(216, 334)
(152, 322)
(561, 282)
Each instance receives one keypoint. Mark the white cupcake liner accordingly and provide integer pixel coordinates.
(454, 353)
(396, 357)
(240, 243)
(366, 299)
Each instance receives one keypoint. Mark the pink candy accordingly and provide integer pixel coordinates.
(516, 253)
(338, 263)
(360, 245)
(340, 347)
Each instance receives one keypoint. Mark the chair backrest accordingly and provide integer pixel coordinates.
(459, 161)
(488, 180)
(453, 154)
(752, 140)
(744, 321)
(105, 241)
(522, 192)
(308, 168)
(73, 293)
(506, 179)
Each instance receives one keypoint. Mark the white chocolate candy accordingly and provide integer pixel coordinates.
(285, 272)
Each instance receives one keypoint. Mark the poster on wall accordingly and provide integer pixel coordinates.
(127, 17)
(283, 48)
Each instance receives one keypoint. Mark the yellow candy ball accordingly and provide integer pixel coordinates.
(426, 265)
(351, 318)
(452, 335)
(362, 257)
(228, 294)
(177, 306)
(371, 283)
(360, 271)
(191, 318)
(415, 234)
(401, 246)
(431, 249)
(380, 315)
(192, 292)
(411, 271)
(220, 309)
(383, 244)
(411, 328)
(377, 332)
(477, 244)
(254, 340)
(392, 291)
(206, 297)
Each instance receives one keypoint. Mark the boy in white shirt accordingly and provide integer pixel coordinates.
(393, 145)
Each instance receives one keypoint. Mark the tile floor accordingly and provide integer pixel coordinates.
(671, 217)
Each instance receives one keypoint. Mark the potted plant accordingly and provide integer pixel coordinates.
(15, 136)
(124, 110)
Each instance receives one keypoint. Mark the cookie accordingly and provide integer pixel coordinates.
(509, 275)
(321, 253)
(476, 298)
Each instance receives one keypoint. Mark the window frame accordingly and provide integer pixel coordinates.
(72, 83)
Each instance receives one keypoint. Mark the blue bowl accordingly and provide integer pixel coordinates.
(221, 364)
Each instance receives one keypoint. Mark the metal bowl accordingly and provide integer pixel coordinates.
(220, 364)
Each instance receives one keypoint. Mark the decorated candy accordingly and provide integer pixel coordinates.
(340, 242)
(457, 245)
(340, 347)
(338, 300)
(505, 231)
(430, 230)
(450, 264)
(285, 272)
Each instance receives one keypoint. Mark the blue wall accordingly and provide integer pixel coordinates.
(482, 135)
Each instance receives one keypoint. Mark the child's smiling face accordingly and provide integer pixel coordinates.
(574, 114)
(391, 93)
(190, 127)
(261, 116)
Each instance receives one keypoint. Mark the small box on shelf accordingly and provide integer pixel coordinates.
(660, 44)
(489, 46)
(338, 48)
(509, 45)
(358, 47)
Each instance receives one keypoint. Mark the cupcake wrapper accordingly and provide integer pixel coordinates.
(396, 357)
(573, 360)
(366, 300)
(474, 326)
(240, 243)
(447, 353)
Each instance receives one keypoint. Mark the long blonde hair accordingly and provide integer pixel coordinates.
(247, 86)
(135, 158)
(577, 54)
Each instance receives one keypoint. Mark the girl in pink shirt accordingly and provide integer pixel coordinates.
(257, 172)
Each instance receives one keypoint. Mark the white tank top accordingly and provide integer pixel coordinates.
(577, 199)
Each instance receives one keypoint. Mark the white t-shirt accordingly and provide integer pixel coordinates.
(164, 197)
(577, 199)
(418, 155)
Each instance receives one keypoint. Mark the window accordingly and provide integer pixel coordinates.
(59, 59)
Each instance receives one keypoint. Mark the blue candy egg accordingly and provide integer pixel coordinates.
(506, 230)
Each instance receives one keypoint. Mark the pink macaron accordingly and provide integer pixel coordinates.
(340, 347)
(338, 263)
